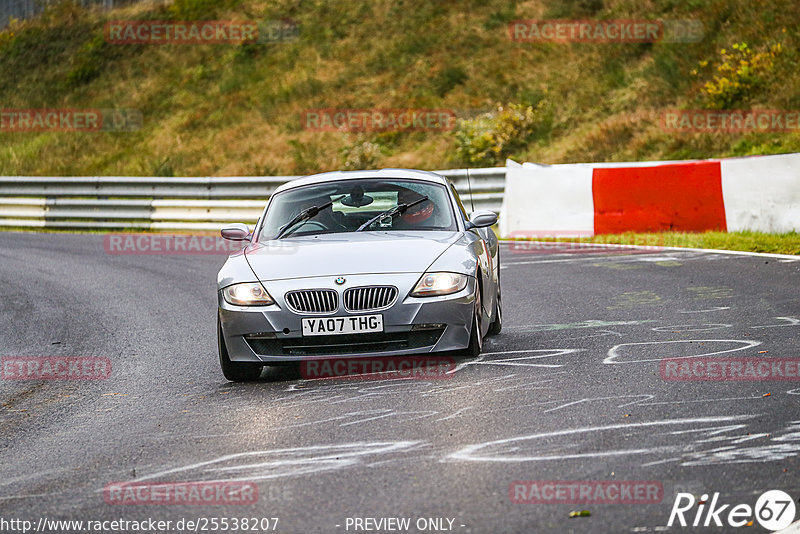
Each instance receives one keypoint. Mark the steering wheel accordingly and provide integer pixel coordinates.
(302, 228)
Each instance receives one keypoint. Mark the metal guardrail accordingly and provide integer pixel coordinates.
(168, 204)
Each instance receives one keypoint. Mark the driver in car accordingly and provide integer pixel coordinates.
(418, 214)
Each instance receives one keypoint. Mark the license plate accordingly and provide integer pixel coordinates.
(325, 326)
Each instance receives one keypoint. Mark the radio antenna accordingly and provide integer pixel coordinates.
(471, 200)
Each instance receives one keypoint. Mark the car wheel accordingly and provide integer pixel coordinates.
(497, 325)
(475, 339)
(235, 371)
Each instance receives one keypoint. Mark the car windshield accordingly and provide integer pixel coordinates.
(350, 204)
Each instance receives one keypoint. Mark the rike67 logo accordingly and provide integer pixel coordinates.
(774, 510)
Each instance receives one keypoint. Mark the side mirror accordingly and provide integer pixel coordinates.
(236, 232)
(482, 219)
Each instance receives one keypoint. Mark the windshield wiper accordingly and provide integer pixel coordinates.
(305, 215)
(391, 212)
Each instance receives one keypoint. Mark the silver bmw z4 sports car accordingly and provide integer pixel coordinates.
(358, 264)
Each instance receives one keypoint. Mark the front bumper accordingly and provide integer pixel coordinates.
(273, 334)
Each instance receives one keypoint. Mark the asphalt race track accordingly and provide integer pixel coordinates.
(570, 391)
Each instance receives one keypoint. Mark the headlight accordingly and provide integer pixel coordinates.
(250, 294)
(433, 284)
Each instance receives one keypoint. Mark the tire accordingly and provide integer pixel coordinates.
(497, 325)
(235, 371)
(475, 346)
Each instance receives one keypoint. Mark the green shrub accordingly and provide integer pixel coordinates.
(740, 72)
(489, 138)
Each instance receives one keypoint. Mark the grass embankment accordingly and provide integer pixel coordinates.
(236, 109)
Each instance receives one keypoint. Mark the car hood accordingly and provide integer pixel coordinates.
(347, 254)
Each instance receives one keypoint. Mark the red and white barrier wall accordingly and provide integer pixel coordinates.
(760, 193)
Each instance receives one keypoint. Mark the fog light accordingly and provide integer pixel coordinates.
(427, 326)
(261, 335)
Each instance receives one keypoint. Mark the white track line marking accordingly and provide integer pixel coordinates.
(613, 353)
(471, 452)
